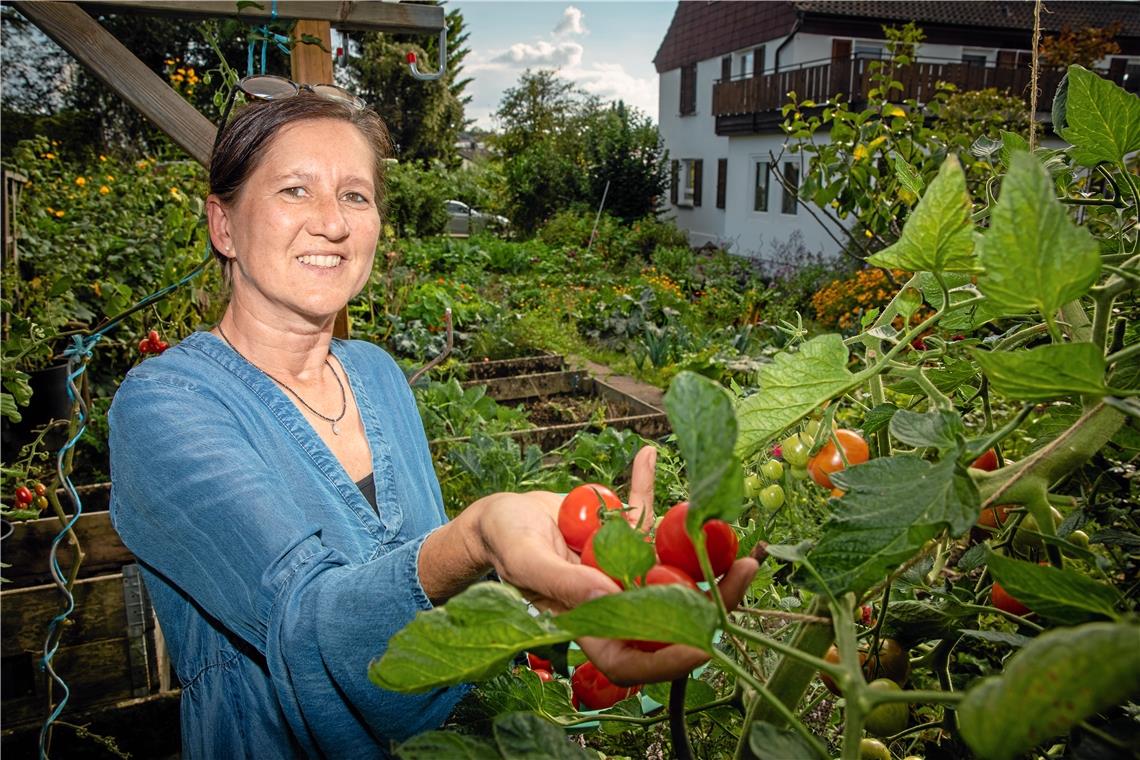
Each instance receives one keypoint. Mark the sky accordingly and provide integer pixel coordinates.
(606, 48)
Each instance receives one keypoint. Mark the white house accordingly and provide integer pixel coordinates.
(725, 69)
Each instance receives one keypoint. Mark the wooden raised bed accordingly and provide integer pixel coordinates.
(525, 365)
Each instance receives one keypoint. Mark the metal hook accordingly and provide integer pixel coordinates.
(431, 77)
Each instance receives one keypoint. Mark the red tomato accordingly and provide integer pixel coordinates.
(828, 460)
(544, 675)
(537, 663)
(1006, 603)
(663, 575)
(40, 489)
(23, 495)
(987, 461)
(592, 689)
(578, 517)
(674, 547)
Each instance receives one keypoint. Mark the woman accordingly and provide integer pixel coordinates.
(276, 484)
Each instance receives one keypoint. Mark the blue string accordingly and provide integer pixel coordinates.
(78, 355)
(281, 41)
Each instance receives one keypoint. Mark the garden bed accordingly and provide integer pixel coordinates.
(523, 365)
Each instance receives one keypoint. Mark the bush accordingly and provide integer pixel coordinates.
(416, 196)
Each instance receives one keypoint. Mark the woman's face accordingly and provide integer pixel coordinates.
(302, 231)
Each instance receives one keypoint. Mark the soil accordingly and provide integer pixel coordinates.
(564, 409)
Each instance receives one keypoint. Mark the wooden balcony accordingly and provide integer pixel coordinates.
(750, 105)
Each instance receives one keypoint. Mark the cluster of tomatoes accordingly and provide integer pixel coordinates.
(580, 517)
(152, 344)
(842, 449)
(31, 497)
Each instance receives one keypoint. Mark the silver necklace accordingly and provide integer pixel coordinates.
(343, 396)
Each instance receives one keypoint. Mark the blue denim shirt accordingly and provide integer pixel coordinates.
(273, 579)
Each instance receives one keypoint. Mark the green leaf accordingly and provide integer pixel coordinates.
(472, 637)
(1045, 372)
(701, 413)
(1103, 119)
(910, 620)
(1011, 143)
(892, 506)
(960, 288)
(792, 386)
(939, 234)
(675, 614)
(525, 736)
(521, 691)
(622, 552)
(908, 176)
(697, 692)
(768, 742)
(1058, 679)
(952, 374)
(939, 430)
(1034, 256)
(1063, 596)
(878, 418)
(434, 745)
(1014, 640)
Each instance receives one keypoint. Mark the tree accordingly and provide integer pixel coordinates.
(424, 118)
(1084, 47)
(625, 150)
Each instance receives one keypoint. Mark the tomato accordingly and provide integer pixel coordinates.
(873, 749)
(837, 493)
(798, 473)
(592, 689)
(144, 346)
(1001, 599)
(544, 675)
(889, 718)
(1078, 538)
(794, 451)
(1027, 537)
(829, 461)
(772, 497)
(537, 663)
(578, 517)
(990, 521)
(589, 559)
(867, 615)
(663, 575)
(753, 484)
(674, 547)
(891, 662)
(41, 502)
(987, 461)
(40, 489)
(23, 495)
(152, 336)
(833, 656)
(772, 469)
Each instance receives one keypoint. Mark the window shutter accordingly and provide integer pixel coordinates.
(721, 181)
(674, 176)
(758, 61)
(689, 89)
(697, 166)
(726, 68)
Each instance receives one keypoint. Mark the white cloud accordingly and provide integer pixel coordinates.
(571, 22)
(541, 53)
(610, 81)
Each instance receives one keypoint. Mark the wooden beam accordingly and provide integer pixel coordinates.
(348, 15)
(118, 68)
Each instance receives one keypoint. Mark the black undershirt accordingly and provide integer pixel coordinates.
(367, 486)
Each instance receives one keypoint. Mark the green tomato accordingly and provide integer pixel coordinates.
(1078, 538)
(772, 497)
(773, 469)
(811, 430)
(753, 484)
(890, 718)
(873, 749)
(799, 473)
(794, 452)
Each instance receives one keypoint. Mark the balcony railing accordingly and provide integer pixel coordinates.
(852, 78)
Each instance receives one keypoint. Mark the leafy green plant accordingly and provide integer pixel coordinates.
(1026, 334)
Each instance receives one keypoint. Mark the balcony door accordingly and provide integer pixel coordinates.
(840, 67)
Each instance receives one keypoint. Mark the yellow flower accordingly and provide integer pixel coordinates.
(868, 233)
(50, 210)
(59, 214)
(140, 165)
(102, 157)
(175, 192)
(98, 288)
(110, 178)
(103, 190)
(81, 181)
(49, 156)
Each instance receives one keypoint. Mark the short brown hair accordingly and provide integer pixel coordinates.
(243, 141)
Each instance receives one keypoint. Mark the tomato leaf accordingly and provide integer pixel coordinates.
(433, 745)
(939, 234)
(940, 430)
(622, 552)
(891, 507)
(701, 413)
(1011, 143)
(768, 742)
(1045, 372)
(1063, 596)
(1034, 256)
(524, 736)
(790, 387)
(946, 378)
(912, 620)
(675, 614)
(1055, 681)
(472, 637)
(1103, 119)
(960, 288)
(511, 692)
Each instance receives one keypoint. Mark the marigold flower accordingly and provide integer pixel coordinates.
(49, 156)
(59, 214)
(102, 157)
(81, 181)
(103, 190)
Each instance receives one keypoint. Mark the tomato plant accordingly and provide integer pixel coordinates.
(852, 449)
(674, 547)
(663, 575)
(594, 691)
(579, 515)
(1005, 602)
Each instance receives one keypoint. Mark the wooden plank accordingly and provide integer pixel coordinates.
(96, 673)
(312, 64)
(359, 16)
(26, 550)
(530, 386)
(118, 68)
(99, 614)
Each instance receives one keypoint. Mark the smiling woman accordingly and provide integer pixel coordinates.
(276, 484)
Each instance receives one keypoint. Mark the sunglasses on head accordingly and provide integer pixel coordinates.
(271, 87)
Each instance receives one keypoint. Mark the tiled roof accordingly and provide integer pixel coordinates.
(702, 29)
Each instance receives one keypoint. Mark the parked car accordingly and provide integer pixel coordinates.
(464, 220)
